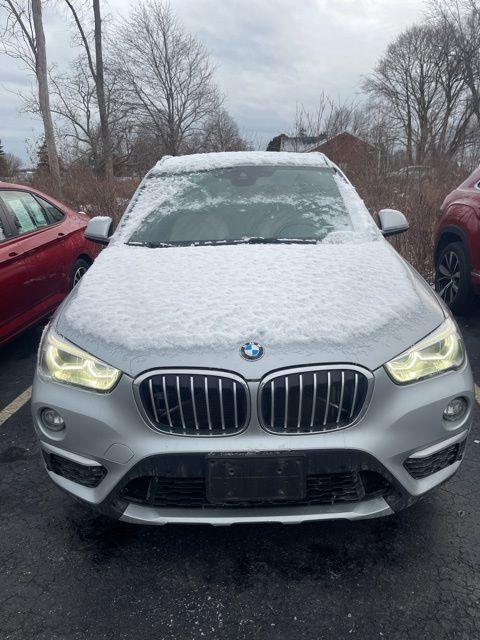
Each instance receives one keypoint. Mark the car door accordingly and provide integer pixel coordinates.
(14, 301)
(40, 243)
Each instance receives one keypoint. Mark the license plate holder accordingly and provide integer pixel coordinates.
(255, 478)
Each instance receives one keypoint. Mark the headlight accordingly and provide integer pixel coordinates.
(63, 362)
(441, 351)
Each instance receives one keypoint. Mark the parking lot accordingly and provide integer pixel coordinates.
(68, 573)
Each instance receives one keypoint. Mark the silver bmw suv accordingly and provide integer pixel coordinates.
(249, 348)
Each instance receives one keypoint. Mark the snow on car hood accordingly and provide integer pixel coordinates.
(351, 302)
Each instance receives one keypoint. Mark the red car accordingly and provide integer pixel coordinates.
(43, 254)
(457, 245)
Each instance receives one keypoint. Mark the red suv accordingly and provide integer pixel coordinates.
(43, 253)
(457, 245)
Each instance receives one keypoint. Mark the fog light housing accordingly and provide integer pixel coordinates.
(52, 420)
(455, 409)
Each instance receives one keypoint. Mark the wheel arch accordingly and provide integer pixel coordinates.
(84, 256)
(451, 233)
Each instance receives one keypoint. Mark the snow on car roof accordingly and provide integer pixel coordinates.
(209, 161)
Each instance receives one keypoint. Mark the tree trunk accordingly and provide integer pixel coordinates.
(43, 95)
(100, 88)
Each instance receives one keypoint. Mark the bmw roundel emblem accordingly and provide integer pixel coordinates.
(252, 351)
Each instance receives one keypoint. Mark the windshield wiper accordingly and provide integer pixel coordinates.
(150, 244)
(212, 243)
(261, 240)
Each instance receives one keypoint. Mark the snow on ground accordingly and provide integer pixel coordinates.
(198, 297)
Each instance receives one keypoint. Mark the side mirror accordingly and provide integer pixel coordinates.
(392, 222)
(99, 229)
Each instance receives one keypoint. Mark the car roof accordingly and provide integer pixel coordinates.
(221, 160)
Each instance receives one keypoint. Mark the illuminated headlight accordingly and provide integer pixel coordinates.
(441, 351)
(62, 362)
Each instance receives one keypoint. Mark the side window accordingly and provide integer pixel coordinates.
(55, 214)
(3, 233)
(26, 213)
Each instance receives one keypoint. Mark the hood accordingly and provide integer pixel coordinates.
(139, 308)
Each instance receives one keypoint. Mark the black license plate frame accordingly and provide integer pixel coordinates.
(257, 478)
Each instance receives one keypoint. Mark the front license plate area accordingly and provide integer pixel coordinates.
(255, 478)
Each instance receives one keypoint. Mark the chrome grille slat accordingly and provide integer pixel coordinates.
(207, 400)
(354, 396)
(179, 396)
(300, 399)
(312, 400)
(150, 386)
(272, 408)
(192, 393)
(327, 403)
(286, 403)
(220, 393)
(340, 404)
(193, 402)
(167, 408)
(235, 407)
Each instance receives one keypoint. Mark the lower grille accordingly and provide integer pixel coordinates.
(195, 403)
(88, 476)
(422, 467)
(190, 492)
(309, 401)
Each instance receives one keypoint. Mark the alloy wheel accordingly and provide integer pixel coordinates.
(79, 273)
(448, 277)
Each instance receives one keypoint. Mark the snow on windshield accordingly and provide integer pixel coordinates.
(293, 204)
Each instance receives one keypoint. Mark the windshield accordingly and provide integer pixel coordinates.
(244, 204)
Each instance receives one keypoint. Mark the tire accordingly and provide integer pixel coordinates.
(452, 278)
(79, 269)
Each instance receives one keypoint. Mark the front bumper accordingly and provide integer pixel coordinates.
(400, 422)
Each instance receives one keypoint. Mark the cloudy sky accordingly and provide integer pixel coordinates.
(269, 54)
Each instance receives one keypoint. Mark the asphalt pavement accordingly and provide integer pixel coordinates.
(67, 573)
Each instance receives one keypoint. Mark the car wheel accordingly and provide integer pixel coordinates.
(80, 267)
(452, 278)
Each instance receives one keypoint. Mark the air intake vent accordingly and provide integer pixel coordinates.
(312, 400)
(193, 403)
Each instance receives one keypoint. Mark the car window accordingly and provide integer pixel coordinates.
(55, 214)
(232, 204)
(26, 213)
(3, 233)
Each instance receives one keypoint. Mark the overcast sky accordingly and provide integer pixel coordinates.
(269, 54)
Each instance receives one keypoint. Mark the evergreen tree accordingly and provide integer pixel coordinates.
(3, 161)
(42, 158)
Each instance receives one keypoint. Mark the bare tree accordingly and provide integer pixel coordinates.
(96, 67)
(24, 39)
(221, 133)
(167, 74)
(74, 102)
(462, 18)
(421, 86)
(329, 117)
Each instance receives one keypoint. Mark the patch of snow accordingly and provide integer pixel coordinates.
(361, 219)
(222, 160)
(204, 297)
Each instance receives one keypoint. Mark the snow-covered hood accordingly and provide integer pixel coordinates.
(139, 308)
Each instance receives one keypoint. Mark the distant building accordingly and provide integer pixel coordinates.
(300, 144)
(350, 153)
